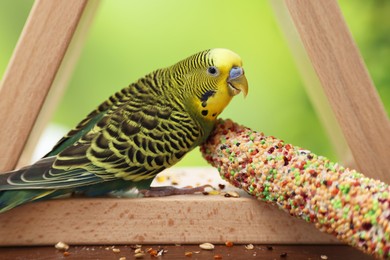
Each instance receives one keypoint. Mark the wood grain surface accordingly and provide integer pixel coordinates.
(174, 219)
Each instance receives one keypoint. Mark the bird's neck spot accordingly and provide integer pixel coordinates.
(211, 104)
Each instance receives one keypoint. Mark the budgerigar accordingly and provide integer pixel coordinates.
(135, 134)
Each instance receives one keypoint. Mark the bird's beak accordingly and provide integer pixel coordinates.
(237, 81)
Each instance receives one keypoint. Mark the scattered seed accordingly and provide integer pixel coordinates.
(188, 254)
(62, 246)
(122, 258)
(138, 250)
(324, 257)
(66, 253)
(221, 186)
(249, 247)
(107, 248)
(232, 194)
(139, 255)
(161, 178)
(214, 192)
(229, 243)
(217, 256)
(116, 250)
(153, 252)
(161, 251)
(207, 246)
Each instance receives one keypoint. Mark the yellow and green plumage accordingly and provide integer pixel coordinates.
(135, 134)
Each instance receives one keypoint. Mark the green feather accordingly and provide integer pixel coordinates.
(131, 137)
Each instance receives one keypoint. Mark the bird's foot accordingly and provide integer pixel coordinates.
(169, 190)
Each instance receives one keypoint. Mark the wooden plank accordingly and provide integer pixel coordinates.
(31, 71)
(346, 82)
(60, 82)
(175, 219)
(312, 84)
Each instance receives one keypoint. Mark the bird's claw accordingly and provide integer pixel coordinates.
(169, 190)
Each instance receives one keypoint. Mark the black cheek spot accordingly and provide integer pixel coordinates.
(214, 114)
(205, 112)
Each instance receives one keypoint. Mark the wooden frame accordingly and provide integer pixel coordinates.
(42, 61)
(342, 74)
(334, 63)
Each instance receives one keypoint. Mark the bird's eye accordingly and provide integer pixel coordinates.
(212, 71)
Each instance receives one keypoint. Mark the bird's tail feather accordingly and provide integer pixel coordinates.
(12, 198)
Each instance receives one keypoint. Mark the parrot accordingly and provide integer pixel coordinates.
(136, 133)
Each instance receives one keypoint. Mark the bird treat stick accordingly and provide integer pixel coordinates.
(335, 199)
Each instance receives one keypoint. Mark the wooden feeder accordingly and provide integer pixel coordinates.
(337, 82)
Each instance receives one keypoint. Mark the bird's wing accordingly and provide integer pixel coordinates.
(134, 140)
(84, 126)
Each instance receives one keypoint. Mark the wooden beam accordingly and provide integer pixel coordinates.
(312, 83)
(32, 70)
(60, 82)
(346, 83)
(175, 219)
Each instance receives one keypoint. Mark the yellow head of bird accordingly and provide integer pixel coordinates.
(218, 78)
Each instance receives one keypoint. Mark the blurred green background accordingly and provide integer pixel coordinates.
(131, 38)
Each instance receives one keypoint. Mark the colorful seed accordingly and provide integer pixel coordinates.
(229, 243)
(339, 201)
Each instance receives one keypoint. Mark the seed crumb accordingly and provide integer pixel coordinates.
(153, 252)
(324, 257)
(218, 256)
(62, 246)
(122, 258)
(229, 243)
(116, 250)
(66, 253)
(188, 254)
(207, 246)
(139, 255)
(214, 192)
(249, 247)
(161, 178)
(232, 194)
(138, 250)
